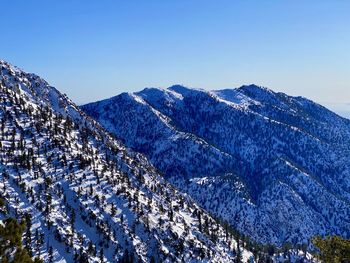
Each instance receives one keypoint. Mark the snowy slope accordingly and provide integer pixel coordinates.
(275, 166)
(90, 199)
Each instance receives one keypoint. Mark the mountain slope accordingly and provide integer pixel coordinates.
(85, 196)
(276, 167)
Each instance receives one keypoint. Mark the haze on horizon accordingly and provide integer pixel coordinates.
(95, 50)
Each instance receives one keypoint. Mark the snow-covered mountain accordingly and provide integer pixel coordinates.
(85, 196)
(275, 167)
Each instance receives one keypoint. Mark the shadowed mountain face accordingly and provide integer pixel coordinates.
(276, 167)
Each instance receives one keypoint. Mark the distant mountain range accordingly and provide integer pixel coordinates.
(345, 114)
(343, 109)
(275, 167)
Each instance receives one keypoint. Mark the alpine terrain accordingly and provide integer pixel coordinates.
(79, 195)
(275, 167)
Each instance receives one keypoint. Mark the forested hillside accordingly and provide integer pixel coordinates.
(275, 167)
(85, 197)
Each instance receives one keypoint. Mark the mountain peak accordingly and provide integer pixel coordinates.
(182, 89)
(241, 153)
(255, 87)
(85, 192)
(255, 91)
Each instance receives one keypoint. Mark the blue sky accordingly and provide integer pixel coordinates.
(92, 50)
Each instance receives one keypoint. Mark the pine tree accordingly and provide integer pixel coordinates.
(10, 239)
(332, 249)
(239, 253)
(50, 254)
(101, 255)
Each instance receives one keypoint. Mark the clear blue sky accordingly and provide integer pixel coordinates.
(96, 49)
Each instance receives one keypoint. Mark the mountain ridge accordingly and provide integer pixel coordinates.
(89, 198)
(277, 147)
